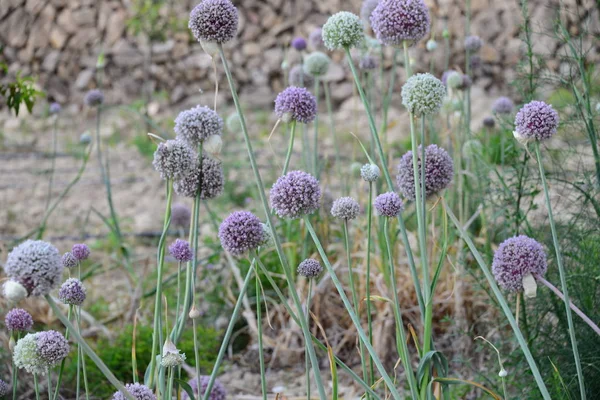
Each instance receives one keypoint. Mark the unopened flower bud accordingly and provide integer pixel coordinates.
(194, 312)
(502, 373)
(431, 45)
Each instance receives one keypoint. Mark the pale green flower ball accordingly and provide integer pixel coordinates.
(343, 30)
(316, 64)
(423, 94)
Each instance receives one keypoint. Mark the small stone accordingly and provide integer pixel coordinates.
(84, 78)
(115, 26)
(50, 61)
(58, 37)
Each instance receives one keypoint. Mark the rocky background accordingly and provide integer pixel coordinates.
(58, 42)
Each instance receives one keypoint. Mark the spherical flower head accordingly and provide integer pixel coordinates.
(36, 265)
(370, 172)
(234, 123)
(367, 62)
(310, 268)
(268, 238)
(536, 120)
(388, 205)
(366, 9)
(299, 77)
(26, 355)
(431, 45)
(345, 208)
(473, 43)
(515, 258)
(181, 250)
(503, 105)
(172, 357)
(68, 260)
(180, 216)
(94, 98)
(476, 61)
(3, 388)
(72, 292)
(174, 159)
(217, 392)
(299, 43)
(137, 390)
(316, 64)
(395, 21)
(52, 347)
(212, 178)
(295, 194)
(13, 291)
(343, 30)
(214, 21)
(80, 251)
(18, 320)
(240, 232)
(54, 108)
(439, 169)
(197, 124)
(452, 79)
(423, 94)
(489, 122)
(296, 104)
(316, 39)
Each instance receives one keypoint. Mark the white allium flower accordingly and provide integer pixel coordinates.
(14, 291)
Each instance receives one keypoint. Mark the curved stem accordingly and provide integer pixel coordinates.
(290, 149)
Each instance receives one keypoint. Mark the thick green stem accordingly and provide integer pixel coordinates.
(290, 149)
(36, 387)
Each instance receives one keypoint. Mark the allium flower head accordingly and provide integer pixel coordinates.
(439, 169)
(217, 392)
(197, 124)
(370, 172)
(240, 232)
(503, 105)
(366, 9)
(80, 251)
(172, 357)
(395, 21)
(423, 94)
(473, 43)
(36, 265)
(3, 388)
(299, 43)
(489, 122)
(181, 250)
(343, 30)
(26, 355)
(68, 260)
(180, 216)
(452, 79)
(310, 268)
(14, 291)
(345, 208)
(316, 39)
(137, 390)
(54, 108)
(52, 347)
(234, 123)
(94, 98)
(296, 104)
(316, 64)
(515, 258)
(18, 320)
(214, 21)
(295, 194)
(72, 292)
(211, 175)
(431, 45)
(299, 77)
(475, 61)
(174, 159)
(367, 62)
(536, 120)
(388, 204)
(267, 235)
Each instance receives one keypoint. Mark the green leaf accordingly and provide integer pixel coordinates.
(186, 387)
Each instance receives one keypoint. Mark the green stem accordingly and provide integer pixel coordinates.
(36, 387)
(290, 149)
(406, 59)
(306, 360)
(62, 363)
(49, 379)
(82, 357)
(261, 354)
(171, 378)
(316, 135)
(368, 279)
(196, 349)
(15, 374)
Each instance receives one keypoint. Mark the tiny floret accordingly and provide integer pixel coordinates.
(13, 291)
(295, 194)
(241, 232)
(94, 98)
(343, 30)
(300, 78)
(296, 104)
(181, 250)
(345, 208)
(299, 43)
(72, 292)
(370, 172)
(212, 178)
(80, 251)
(316, 64)
(310, 268)
(137, 390)
(388, 205)
(536, 120)
(36, 265)
(214, 21)
(52, 347)
(473, 43)
(174, 159)
(439, 170)
(423, 94)
(195, 125)
(18, 320)
(395, 21)
(503, 105)
(515, 258)
(217, 392)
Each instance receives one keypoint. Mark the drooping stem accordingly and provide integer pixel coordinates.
(290, 149)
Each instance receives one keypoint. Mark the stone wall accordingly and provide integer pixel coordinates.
(58, 41)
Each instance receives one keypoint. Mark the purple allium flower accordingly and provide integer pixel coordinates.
(217, 392)
(388, 204)
(476, 61)
(489, 122)
(26, 355)
(515, 258)
(536, 120)
(3, 388)
(423, 94)
(395, 21)
(240, 232)
(52, 347)
(72, 292)
(295, 194)
(299, 77)
(174, 159)
(296, 104)
(366, 9)
(36, 265)
(69, 260)
(212, 177)
(181, 250)
(367, 62)
(316, 39)
(503, 105)
(439, 169)
(54, 108)
(137, 390)
(299, 43)
(473, 43)
(94, 98)
(310, 268)
(180, 216)
(343, 30)
(18, 320)
(345, 208)
(197, 124)
(370, 172)
(214, 21)
(80, 251)
(316, 64)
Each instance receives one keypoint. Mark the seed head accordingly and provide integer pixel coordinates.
(3, 388)
(174, 159)
(240, 232)
(26, 355)
(94, 98)
(299, 43)
(316, 64)
(181, 250)
(367, 62)
(212, 177)
(80, 251)
(370, 172)
(473, 43)
(137, 390)
(503, 105)
(536, 120)
(52, 347)
(295, 194)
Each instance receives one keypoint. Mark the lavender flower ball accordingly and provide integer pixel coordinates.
(72, 292)
(80, 251)
(295, 194)
(181, 250)
(180, 216)
(240, 232)
(503, 105)
(299, 43)
(195, 125)
(366, 9)
(217, 392)
(52, 347)
(68, 260)
(316, 64)
(137, 390)
(214, 21)
(94, 98)
(3, 388)
(36, 265)
(473, 43)
(423, 94)
(310, 268)
(18, 320)
(395, 21)
(370, 172)
(296, 104)
(343, 30)
(515, 258)
(388, 204)
(54, 108)
(26, 355)
(213, 180)
(439, 169)
(316, 39)
(536, 120)
(345, 208)
(174, 159)
(367, 62)
(299, 77)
